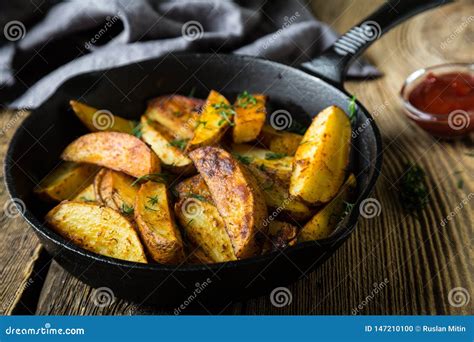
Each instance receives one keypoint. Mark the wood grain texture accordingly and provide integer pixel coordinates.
(394, 263)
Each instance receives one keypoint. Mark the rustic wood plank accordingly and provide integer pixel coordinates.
(394, 263)
(19, 247)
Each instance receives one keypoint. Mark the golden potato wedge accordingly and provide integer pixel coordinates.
(101, 120)
(237, 196)
(195, 255)
(278, 198)
(86, 195)
(217, 115)
(250, 114)
(66, 181)
(193, 186)
(156, 224)
(98, 229)
(277, 165)
(326, 220)
(177, 114)
(321, 159)
(117, 151)
(280, 235)
(205, 228)
(166, 147)
(117, 191)
(280, 141)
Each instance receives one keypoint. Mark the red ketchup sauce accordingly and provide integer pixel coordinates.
(450, 97)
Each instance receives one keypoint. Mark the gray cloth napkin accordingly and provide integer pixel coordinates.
(84, 35)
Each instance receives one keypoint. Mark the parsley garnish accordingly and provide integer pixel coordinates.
(148, 208)
(273, 155)
(126, 209)
(137, 130)
(352, 109)
(245, 99)
(154, 177)
(198, 197)
(243, 159)
(413, 191)
(225, 111)
(85, 199)
(153, 199)
(179, 143)
(262, 167)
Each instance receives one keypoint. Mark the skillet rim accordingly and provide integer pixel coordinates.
(325, 244)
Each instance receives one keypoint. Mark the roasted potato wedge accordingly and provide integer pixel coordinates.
(250, 114)
(280, 235)
(217, 115)
(205, 228)
(117, 191)
(166, 147)
(156, 224)
(117, 151)
(98, 229)
(86, 195)
(66, 181)
(280, 141)
(177, 114)
(237, 196)
(279, 166)
(278, 198)
(321, 159)
(194, 186)
(326, 220)
(101, 120)
(195, 255)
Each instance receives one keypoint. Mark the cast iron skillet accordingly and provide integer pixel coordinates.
(38, 142)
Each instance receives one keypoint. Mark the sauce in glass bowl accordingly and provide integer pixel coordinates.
(440, 99)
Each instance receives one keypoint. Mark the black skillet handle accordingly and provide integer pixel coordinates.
(332, 64)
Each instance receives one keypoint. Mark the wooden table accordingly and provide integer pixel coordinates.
(417, 259)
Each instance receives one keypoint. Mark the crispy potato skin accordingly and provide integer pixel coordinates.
(178, 114)
(100, 120)
(156, 224)
(66, 181)
(212, 124)
(171, 157)
(321, 159)
(249, 119)
(195, 255)
(280, 235)
(116, 191)
(277, 168)
(237, 196)
(278, 198)
(325, 221)
(98, 229)
(280, 141)
(117, 151)
(205, 228)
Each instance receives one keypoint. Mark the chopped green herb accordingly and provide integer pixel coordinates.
(460, 183)
(85, 199)
(177, 113)
(262, 167)
(179, 143)
(153, 199)
(154, 177)
(243, 159)
(137, 130)
(199, 122)
(245, 99)
(352, 109)
(197, 196)
(225, 111)
(297, 128)
(413, 191)
(273, 155)
(148, 208)
(189, 222)
(191, 92)
(126, 209)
